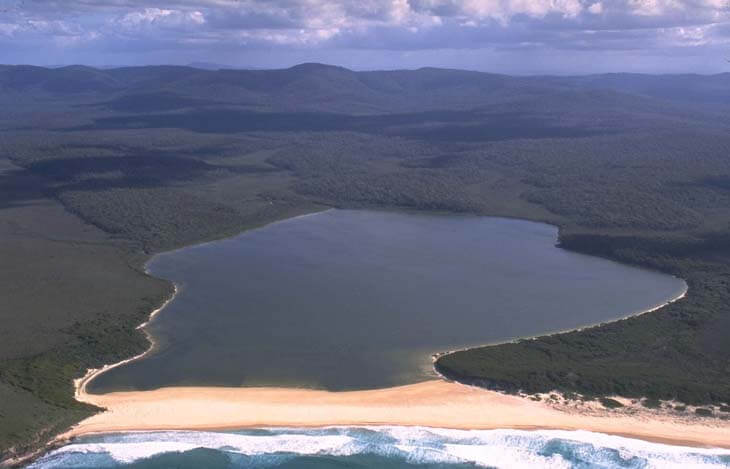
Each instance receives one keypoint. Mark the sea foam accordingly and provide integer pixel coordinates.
(409, 445)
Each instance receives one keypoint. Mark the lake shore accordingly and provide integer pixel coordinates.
(242, 364)
(433, 403)
(436, 403)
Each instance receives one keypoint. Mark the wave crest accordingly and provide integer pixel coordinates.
(410, 445)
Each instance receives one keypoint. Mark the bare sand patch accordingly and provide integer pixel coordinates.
(434, 403)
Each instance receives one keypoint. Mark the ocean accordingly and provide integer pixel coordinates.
(376, 447)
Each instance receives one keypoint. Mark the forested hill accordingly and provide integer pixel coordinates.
(317, 87)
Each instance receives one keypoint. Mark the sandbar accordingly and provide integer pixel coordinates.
(435, 403)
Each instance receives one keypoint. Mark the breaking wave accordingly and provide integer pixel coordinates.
(381, 447)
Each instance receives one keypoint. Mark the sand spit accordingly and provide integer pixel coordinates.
(433, 404)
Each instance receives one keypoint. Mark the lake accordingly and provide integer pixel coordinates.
(357, 299)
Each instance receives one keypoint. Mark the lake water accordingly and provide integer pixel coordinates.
(351, 299)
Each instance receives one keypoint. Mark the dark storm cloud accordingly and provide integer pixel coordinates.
(387, 32)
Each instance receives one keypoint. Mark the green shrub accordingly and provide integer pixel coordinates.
(651, 403)
(610, 403)
(702, 412)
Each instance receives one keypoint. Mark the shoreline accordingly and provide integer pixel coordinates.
(80, 383)
(435, 403)
(91, 373)
(436, 356)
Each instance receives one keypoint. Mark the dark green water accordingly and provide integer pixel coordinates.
(360, 299)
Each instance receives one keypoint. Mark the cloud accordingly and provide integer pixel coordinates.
(159, 17)
(144, 29)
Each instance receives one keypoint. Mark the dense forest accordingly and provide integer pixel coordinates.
(99, 169)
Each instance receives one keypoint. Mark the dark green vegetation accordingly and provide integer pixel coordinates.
(651, 403)
(703, 412)
(631, 167)
(609, 403)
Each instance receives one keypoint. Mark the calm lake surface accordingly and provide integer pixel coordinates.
(351, 299)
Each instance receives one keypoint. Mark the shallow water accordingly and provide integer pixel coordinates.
(349, 299)
(377, 447)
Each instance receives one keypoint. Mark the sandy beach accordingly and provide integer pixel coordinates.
(434, 403)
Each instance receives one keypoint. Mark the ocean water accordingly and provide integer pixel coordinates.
(376, 447)
(358, 299)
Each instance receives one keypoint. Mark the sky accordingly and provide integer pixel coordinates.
(505, 36)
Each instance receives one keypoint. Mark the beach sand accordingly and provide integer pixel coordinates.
(434, 403)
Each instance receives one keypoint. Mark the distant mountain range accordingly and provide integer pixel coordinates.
(432, 103)
(216, 66)
(324, 87)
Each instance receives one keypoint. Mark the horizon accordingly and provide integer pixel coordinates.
(211, 67)
(515, 37)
